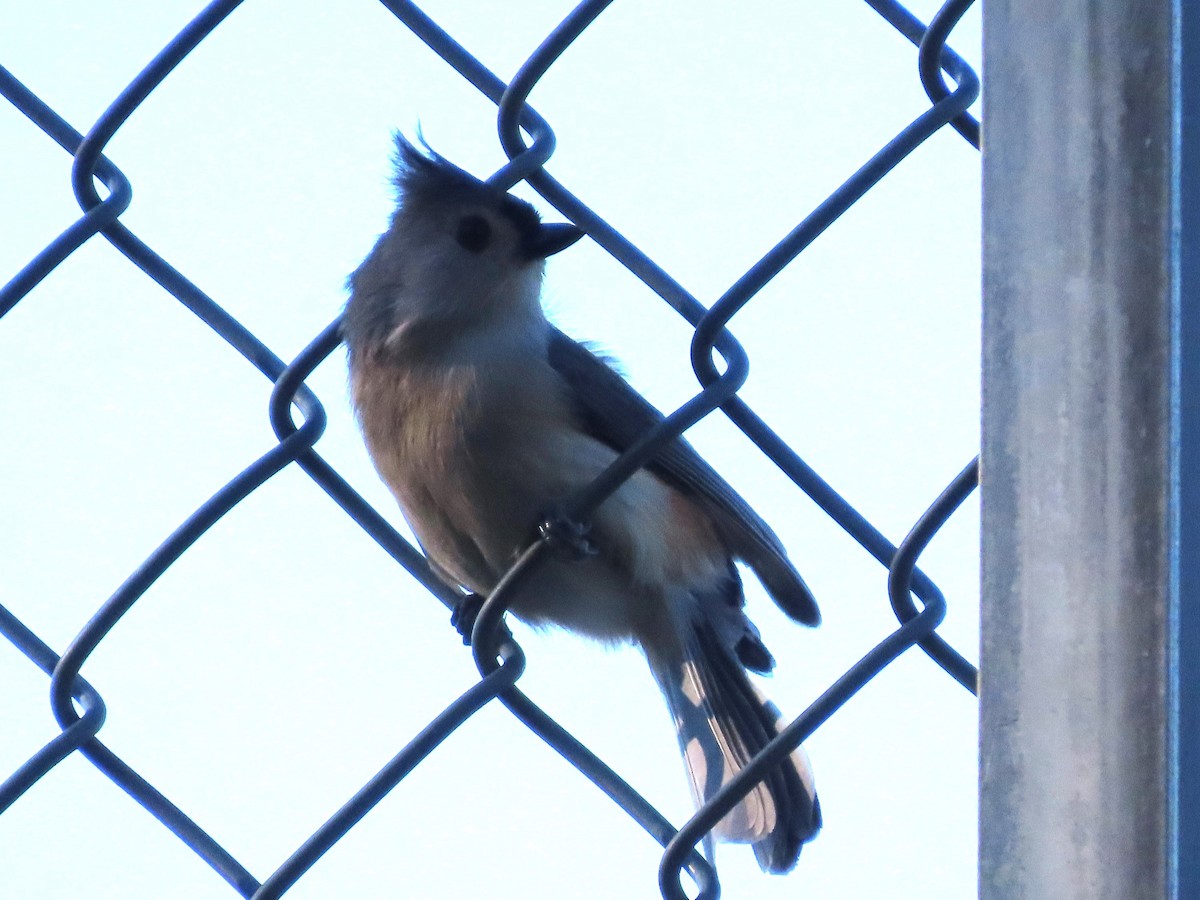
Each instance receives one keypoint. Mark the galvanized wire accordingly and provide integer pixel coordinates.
(499, 659)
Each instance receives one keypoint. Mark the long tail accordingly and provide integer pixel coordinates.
(723, 721)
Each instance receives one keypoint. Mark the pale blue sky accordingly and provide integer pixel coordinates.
(285, 658)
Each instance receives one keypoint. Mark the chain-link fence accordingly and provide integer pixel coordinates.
(298, 419)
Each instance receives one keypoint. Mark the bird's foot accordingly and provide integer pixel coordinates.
(464, 616)
(567, 537)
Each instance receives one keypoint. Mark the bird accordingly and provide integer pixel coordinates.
(482, 418)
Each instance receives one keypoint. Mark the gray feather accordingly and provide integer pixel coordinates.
(617, 415)
(723, 722)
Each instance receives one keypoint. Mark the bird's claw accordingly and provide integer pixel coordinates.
(568, 537)
(464, 615)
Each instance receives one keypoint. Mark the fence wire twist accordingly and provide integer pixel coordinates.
(499, 658)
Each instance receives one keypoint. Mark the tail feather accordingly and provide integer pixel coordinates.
(723, 722)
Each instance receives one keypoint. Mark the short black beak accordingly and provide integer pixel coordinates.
(550, 239)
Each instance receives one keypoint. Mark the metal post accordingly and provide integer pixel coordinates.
(1080, 787)
(1187, 653)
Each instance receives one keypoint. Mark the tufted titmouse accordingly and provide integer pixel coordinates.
(482, 418)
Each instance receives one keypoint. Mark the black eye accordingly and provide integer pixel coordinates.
(473, 234)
